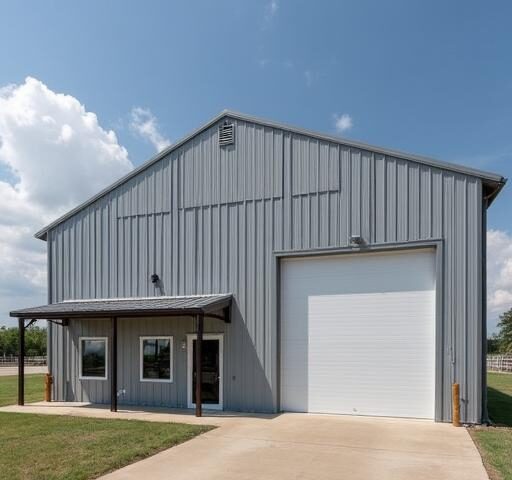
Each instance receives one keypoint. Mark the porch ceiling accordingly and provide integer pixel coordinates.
(129, 307)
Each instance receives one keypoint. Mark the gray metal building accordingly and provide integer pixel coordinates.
(357, 276)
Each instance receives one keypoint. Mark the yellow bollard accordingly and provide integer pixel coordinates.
(48, 380)
(456, 405)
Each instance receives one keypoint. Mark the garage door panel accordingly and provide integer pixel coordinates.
(367, 353)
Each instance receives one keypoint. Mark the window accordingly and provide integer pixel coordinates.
(93, 358)
(156, 359)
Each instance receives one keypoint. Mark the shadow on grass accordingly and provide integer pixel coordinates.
(500, 407)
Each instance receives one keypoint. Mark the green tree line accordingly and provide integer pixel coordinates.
(35, 341)
(501, 342)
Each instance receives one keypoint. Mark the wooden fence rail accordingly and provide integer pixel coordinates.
(12, 360)
(499, 363)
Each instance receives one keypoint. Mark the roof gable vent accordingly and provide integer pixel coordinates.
(226, 134)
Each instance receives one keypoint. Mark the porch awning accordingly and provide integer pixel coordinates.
(208, 305)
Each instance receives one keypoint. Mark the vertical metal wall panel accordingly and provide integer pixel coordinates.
(391, 200)
(365, 214)
(344, 194)
(402, 201)
(460, 299)
(380, 192)
(425, 203)
(208, 219)
(355, 192)
(414, 202)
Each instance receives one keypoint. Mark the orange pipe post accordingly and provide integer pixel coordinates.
(48, 381)
(456, 405)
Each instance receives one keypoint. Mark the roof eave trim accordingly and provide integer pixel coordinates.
(494, 193)
(216, 304)
(107, 314)
(493, 177)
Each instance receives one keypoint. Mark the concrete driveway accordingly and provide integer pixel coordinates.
(301, 446)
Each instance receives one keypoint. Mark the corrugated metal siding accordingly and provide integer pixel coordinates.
(208, 220)
(129, 332)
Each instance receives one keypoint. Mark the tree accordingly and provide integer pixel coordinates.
(35, 341)
(8, 341)
(505, 332)
(493, 344)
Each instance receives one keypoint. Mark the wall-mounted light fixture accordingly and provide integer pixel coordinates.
(154, 278)
(356, 240)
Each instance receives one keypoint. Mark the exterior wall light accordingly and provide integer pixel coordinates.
(356, 240)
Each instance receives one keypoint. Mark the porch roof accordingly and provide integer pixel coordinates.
(129, 307)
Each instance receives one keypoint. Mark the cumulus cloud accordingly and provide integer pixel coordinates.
(263, 62)
(54, 154)
(145, 125)
(271, 9)
(499, 273)
(54, 148)
(342, 122)
(309, 76)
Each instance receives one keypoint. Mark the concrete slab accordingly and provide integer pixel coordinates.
(297, 446)
(148, 414)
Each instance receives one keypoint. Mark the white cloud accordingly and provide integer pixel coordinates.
(499, 274)
(54, 154)
(271, 9)
(145, 124)
(54, 148)
(263, 62)
(311, 76)
(343, 122)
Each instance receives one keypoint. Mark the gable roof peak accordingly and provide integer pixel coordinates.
(494, 180)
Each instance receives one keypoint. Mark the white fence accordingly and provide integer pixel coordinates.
(12, 360)
(499, 363)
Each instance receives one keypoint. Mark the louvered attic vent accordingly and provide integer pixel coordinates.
(226, 134)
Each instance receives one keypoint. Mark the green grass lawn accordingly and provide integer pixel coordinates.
(48, 447)
(495, 443)
(500, 398)
(34, 389)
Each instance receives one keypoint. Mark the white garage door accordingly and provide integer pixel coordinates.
(358, 334)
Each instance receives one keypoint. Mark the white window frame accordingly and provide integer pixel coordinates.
(141, 358)
(80, 360)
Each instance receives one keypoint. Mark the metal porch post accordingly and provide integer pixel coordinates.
(199, 365)
(21, 362)
(113, 367)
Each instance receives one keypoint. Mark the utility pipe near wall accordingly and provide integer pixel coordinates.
(456, 405)
(48, 381)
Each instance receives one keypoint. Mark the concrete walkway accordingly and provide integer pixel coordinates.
(297, 446)
(7, 371)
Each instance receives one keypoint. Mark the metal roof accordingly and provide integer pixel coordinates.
(128, 307)
(495, 180)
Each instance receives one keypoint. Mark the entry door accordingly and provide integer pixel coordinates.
(211, 354)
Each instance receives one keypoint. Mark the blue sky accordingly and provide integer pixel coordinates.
(432, 78)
